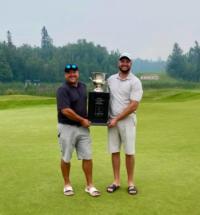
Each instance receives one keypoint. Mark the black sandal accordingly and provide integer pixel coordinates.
(112, 188)
(132, 190)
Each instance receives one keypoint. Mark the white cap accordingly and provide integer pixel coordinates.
(125, 54)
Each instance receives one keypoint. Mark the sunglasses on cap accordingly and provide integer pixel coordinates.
(69, 67)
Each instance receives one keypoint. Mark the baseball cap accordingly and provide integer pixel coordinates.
(125, 55)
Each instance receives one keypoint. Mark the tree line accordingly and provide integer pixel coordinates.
(184, 66)
(46, 63)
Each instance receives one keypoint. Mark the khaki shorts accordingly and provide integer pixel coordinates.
(123, 134)
(74, 137)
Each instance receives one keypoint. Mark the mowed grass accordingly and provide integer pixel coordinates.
(167, 162)
(19, 101)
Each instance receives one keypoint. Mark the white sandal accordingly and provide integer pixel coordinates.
(92, 191)
(68, 191)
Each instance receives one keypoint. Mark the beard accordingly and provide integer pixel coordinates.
(124, 71)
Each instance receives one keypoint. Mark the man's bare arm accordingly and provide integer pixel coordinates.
(69, 113)
(133, 105)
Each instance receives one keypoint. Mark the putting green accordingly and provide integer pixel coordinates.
(167, 164)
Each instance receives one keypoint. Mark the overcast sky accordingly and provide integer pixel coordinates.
(145, 28)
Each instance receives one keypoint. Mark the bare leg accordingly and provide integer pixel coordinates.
(130, 163)
(65, 169)
(87, 168)
(116, 167)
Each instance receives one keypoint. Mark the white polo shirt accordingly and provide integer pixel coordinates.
(122, 92)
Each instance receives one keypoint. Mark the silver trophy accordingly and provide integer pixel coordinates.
(99, 80)
(98, 101)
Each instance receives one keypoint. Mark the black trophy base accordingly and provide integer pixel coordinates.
(98, 108)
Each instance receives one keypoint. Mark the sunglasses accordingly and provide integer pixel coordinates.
(69, 67)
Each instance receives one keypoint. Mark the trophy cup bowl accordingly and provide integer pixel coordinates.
(98, 80)
(98, 100)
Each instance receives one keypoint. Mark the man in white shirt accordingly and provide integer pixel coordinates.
(125, 94)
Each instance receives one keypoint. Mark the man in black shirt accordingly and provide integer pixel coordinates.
(73, 128)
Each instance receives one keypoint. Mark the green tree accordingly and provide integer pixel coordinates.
(46, 41)
(13, 59)
(5, 70)
(46, 45)
(9, 38)
(176, 63)
(186, 67)
(193, 67)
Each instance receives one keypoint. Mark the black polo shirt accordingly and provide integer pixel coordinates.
(72, 97)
